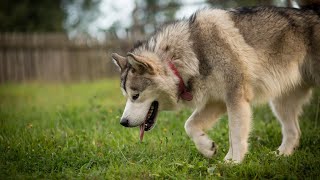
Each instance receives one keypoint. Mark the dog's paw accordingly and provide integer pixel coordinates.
(232, 160)
(208, 149)
(235, 158)
(288, 146)
(228, 157)
(207, 153)
(282, 151)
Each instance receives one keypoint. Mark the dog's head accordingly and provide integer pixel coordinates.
(147, 85)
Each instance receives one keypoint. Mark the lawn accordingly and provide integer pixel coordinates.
(54, 131)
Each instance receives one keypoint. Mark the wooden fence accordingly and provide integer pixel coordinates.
(52, 57)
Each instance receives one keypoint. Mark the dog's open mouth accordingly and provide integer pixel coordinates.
(150, 120)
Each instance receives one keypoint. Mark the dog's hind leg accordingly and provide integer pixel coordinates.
(287, 109)
(200, 121)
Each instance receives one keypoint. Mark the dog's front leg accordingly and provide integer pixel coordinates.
(239, 113)
(200, 121)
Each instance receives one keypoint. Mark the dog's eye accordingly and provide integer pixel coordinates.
(135, 97)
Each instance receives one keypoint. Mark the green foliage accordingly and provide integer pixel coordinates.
(31, 16)
(72, 131)
(47, 15)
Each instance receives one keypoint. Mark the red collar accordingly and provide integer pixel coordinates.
(182, 91)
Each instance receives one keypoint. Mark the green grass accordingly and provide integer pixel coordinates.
(72, 131)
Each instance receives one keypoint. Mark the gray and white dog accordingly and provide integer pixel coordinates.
(220, 61)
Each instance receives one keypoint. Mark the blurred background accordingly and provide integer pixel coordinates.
(71, 40)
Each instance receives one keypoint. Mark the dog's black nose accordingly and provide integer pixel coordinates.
(124, 122)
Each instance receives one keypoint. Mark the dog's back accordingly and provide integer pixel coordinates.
(282, 36)
(271, 49)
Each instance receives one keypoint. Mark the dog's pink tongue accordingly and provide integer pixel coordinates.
(141, 131)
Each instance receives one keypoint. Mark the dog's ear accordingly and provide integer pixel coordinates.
(120, 61)
(140, 63)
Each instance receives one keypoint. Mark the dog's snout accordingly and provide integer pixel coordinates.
(124, 122)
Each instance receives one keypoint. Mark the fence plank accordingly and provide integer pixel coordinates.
(53, 57)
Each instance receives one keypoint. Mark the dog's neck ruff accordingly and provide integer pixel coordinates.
(182, 89)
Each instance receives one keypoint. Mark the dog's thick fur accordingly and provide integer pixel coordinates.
(229, 60)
